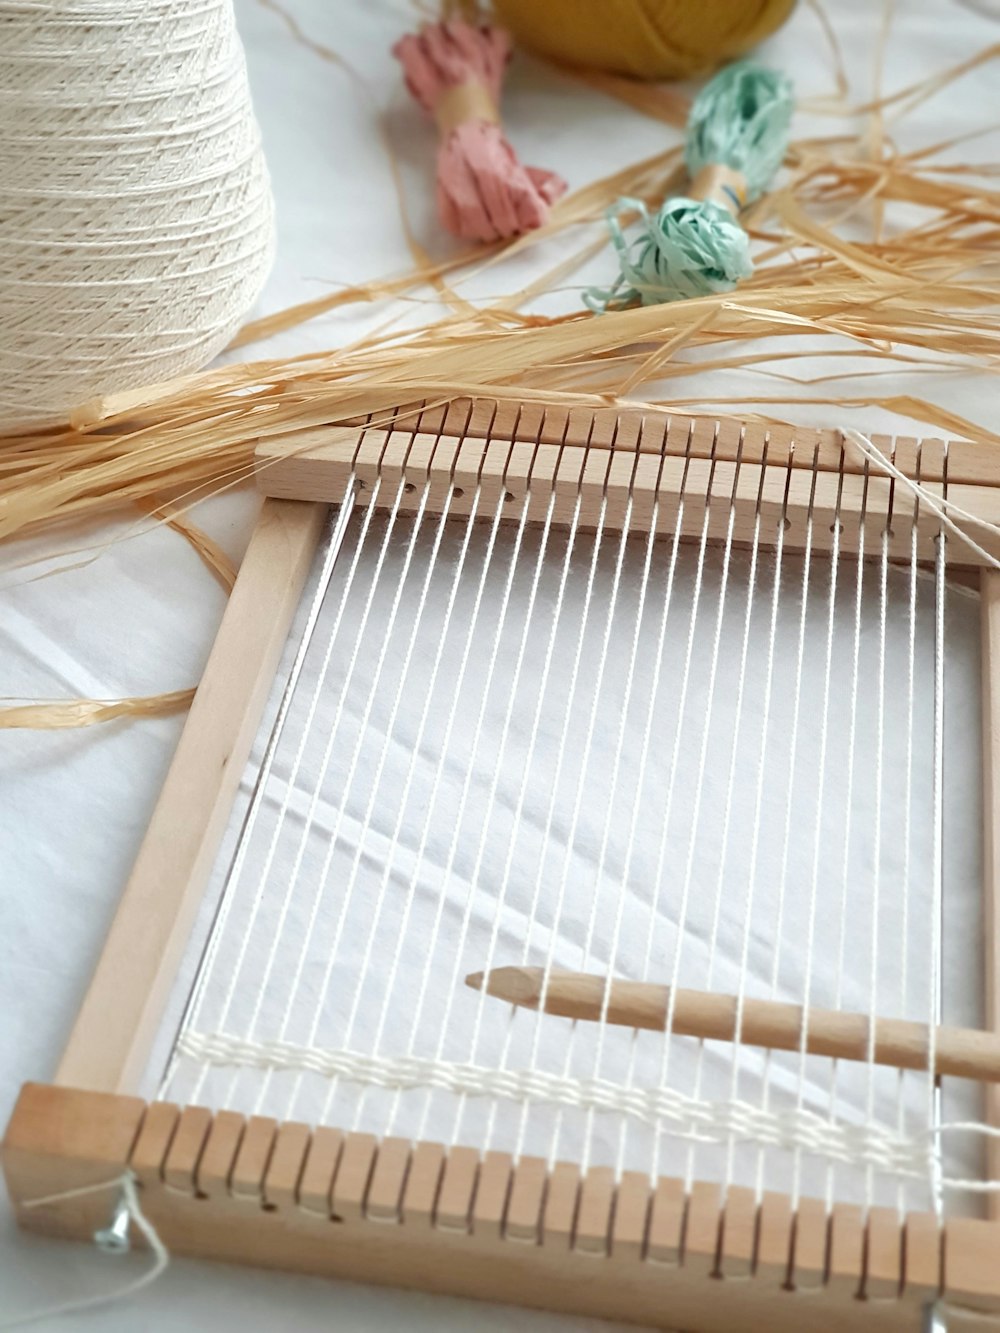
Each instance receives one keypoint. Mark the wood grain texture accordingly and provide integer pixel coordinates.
(968, 462)
(709, 1264)
(663, 476)
(772, 1024)
(989, 591)
(108, 1047)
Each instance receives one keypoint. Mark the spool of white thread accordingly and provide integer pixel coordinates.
(136, 219)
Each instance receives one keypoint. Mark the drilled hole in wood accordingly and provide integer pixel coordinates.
(508, 496)
(409, 488)
(269, 1207)
(458, 492)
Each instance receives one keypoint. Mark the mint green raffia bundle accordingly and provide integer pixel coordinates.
(694, 245)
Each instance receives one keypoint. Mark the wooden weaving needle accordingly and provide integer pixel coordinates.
(899, 1043)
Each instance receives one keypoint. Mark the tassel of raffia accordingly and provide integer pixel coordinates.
(455, 70)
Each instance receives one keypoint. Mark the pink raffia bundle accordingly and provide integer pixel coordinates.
(455, 71)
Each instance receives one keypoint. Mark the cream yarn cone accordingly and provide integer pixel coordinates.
(136, 220)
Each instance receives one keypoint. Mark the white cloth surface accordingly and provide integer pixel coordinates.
(138, 615)
(452, 794)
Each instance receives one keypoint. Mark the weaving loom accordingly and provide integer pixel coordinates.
(579, 931)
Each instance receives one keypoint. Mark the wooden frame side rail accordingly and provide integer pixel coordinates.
(109, 1046)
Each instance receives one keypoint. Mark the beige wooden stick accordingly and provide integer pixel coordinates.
(899, 1043)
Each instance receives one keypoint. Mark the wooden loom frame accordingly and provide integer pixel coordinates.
(319, 1201)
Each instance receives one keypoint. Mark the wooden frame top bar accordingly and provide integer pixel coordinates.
(960, 462)
(635, 469)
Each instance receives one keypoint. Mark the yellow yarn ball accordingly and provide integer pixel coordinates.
(647, 39)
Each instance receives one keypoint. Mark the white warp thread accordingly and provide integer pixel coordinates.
(662, 1107)
(939, 505)
(136, 219)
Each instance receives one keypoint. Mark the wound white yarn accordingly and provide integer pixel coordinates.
(136, 219)
(662, 1107)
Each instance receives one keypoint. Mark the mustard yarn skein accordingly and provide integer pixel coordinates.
(646, 39)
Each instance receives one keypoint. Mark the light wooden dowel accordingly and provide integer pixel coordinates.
(772, 1024)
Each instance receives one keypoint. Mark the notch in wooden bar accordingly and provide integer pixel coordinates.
(702, 1228)
(527, 1196)
(593, 1220)
(774, 1239)
(630, 1223)
(218, 1158)
(739, 1233)
(561, 1202)
(810, 1239)
(180, 1167)
(666, 1222)
(152, 1144)
(458, 1186)
(423, 1182)
(922, 1245)
(354, 1171)
(492, 1193)
(388, 1181)
(320, 1170)
(252, 1160)
(845, 1272)
(883, 1255)
(288, 1159)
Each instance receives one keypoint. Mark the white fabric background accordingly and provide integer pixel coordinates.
(385, 885)
(138, 615)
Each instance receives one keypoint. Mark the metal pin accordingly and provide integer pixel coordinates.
(934, 1320)
(114, 1238)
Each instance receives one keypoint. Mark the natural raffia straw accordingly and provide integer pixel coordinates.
(736, 140)
(63, 714)
(136, 227)
(924, 296)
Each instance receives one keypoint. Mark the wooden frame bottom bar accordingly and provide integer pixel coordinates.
(345, 1205)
